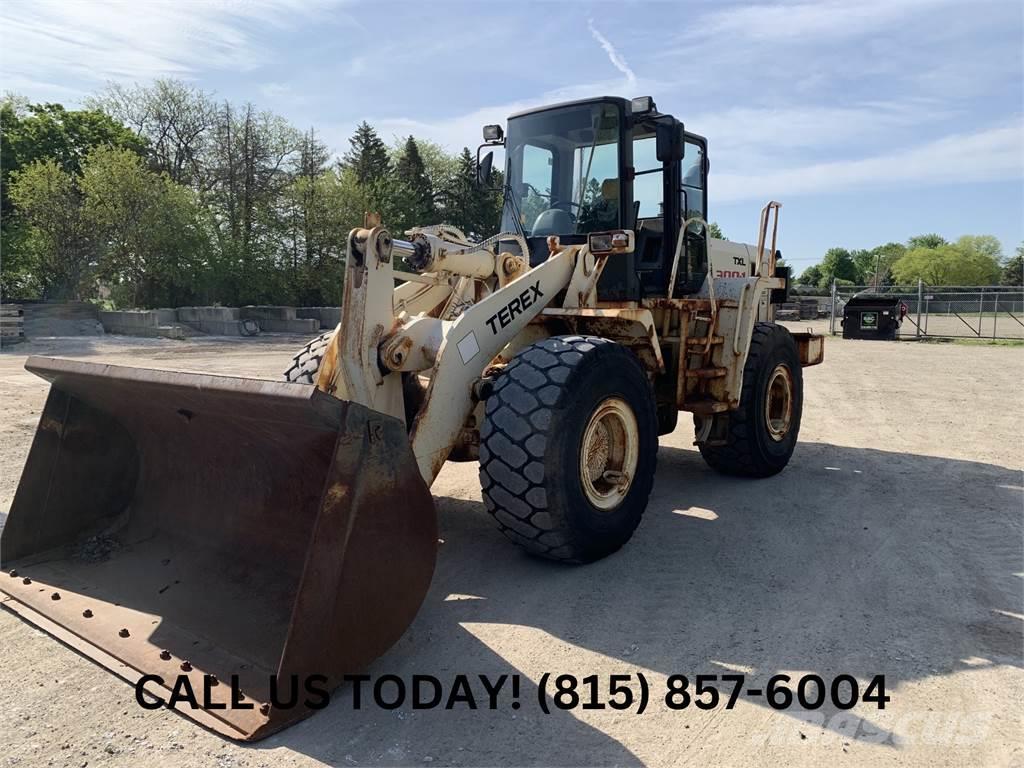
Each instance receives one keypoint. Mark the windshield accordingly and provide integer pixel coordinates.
(563, 171)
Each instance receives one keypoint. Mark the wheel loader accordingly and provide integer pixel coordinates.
(235, 533)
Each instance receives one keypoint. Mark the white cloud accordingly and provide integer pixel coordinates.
(990, 154)
(613, 55)
(463, 130)
(810, 22)
(766, 136)
(50, 41)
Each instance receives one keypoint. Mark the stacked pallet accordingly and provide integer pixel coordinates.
(12, 324)
(808, 308)
(789, 310)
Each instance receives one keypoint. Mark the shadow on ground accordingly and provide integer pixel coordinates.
(851, 561)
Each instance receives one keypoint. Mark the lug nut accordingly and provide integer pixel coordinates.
(14, 572)
(124, 632)
(213, 680)
(87, 613)
(165, 655)
(264, 709)
(186, 666)
(26, 580)
(55, 596)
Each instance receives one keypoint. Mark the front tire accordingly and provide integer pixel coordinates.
(306, 364)
(761, 434)
(568, 448)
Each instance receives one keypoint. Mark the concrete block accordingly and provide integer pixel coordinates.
(129, 318)
(150, 323)
(329, 317)
(206, 314)
(227, 327)
(166, 316)
(264, 312)
(307, 326)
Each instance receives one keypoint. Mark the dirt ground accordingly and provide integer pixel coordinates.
(892, 544)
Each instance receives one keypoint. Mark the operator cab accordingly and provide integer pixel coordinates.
(609, 163)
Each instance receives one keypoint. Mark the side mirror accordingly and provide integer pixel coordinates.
(483, 170)
(669, 142)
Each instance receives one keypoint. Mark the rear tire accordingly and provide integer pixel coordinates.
(568, 448)
(306, 364)
(761, 434)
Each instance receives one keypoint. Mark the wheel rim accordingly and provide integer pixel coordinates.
(778, 407)
(609, 453)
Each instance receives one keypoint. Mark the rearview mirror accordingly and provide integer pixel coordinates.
(670, 142)
(483, 170)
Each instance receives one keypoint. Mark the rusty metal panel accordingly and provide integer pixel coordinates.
(632, 328)
(811, 347)
(174, 523)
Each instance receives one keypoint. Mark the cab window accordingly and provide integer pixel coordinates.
(693, 181)
(647, 183)
(537, 173)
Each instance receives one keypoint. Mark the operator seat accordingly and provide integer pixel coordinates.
(553, 221)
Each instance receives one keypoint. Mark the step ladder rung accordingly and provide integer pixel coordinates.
(707, 373)
(701, 341)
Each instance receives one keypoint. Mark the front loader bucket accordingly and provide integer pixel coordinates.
(181, 524)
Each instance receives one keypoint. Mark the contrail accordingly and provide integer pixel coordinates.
(613, 55)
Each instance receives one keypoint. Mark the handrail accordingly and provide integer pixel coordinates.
(762, 235)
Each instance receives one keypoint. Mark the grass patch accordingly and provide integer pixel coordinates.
(982, 342)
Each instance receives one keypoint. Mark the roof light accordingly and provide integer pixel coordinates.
(493, 133)
(641, 105)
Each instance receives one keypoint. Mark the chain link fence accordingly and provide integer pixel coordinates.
(947, 311)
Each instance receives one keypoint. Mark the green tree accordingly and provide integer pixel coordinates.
(960, 263)
(471, 208)
(838, 264)
(176, 119)
(925, 241)
(304, 214)
(154, 238)
(440, 166)
(716, 231)
(1013, 269)
(54, 254)
(874, 265)
(811, 276)
(412, 194)
(333, 202)
(43, 132)
(249, 167)
(367, 156)
(985, 245)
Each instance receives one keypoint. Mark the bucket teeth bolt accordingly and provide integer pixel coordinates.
(14, 573)
(123, 633)
(26, 580)
(264, 709)
(87, 613)
(165, 655)
(186, 666)
(55, 596)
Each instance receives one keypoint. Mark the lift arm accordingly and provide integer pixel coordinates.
(375, 342)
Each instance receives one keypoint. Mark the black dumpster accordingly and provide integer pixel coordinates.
(873, 317)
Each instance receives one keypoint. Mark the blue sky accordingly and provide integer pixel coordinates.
(870, 120)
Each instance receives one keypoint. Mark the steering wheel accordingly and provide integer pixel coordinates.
(567, 206)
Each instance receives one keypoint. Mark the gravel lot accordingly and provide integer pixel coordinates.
(892, 545)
